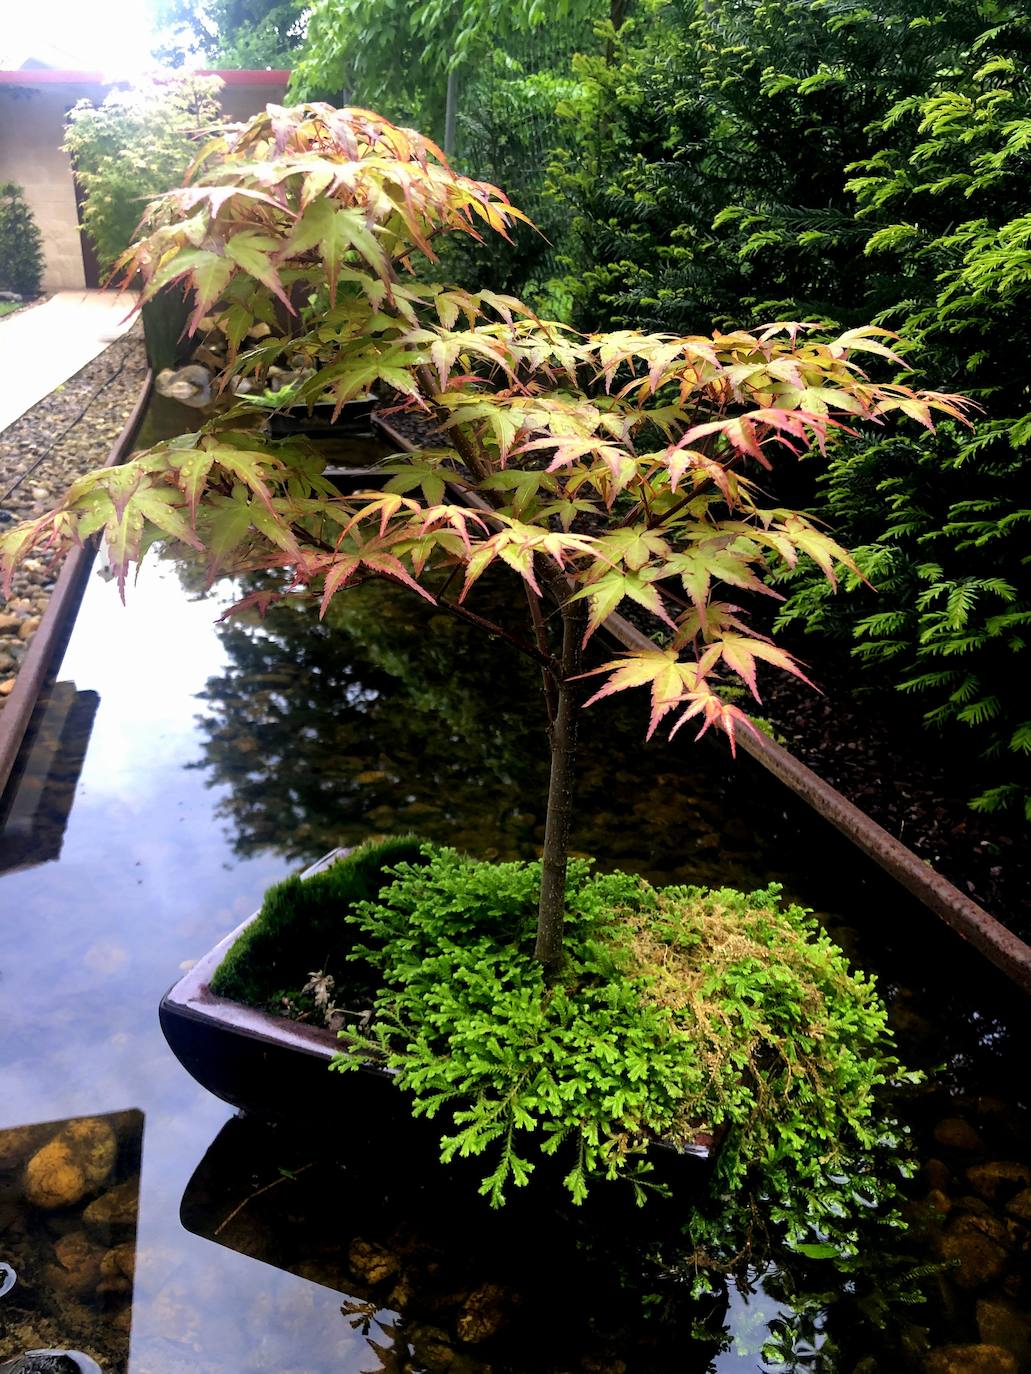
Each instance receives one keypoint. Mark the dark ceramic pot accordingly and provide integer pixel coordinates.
(251, 1059)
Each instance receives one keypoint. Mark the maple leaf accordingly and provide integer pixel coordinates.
(606, 592)
(375, 556)
(739, 653)
(714, 711)
(668, 676)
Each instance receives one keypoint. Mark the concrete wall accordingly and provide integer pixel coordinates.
(31, 132)
(239, 102)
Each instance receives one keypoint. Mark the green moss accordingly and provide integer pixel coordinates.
(681, 1012)
(301, 923)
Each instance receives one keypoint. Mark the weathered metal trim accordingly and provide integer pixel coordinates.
(989, 936)
(55, 625)
(978, 927)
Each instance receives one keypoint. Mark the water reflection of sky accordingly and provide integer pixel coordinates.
(145, 881)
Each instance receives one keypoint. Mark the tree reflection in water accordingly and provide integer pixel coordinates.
(392, 716)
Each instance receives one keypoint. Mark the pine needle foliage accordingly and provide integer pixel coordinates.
(21, 244)
(843, 162)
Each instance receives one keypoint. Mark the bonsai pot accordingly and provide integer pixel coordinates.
(252, 1059)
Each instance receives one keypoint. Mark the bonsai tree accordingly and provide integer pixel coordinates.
(601, 470)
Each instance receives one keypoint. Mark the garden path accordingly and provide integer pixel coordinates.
(42, 347)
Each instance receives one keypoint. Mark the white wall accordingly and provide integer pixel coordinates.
(31, 132)
(32, 122)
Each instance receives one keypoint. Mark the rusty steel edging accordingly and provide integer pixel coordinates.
(978, 927)
(989, 936)
(58, 616)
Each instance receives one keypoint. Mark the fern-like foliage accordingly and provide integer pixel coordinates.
(839, 161)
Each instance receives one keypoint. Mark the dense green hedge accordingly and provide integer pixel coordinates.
(789, 159)
(21, 246)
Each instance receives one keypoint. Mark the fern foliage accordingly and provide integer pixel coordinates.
(835, 161)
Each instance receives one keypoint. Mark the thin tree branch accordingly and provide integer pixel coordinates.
(540, 631)
(530, 650)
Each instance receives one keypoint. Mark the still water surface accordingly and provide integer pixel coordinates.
(217, 759)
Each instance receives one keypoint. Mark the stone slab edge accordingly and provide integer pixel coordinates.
(59, 614)
(978, 927)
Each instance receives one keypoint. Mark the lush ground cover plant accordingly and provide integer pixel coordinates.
(683, 1015)
(21, 244)
(601, 469)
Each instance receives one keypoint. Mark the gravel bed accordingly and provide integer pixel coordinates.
(109, 386)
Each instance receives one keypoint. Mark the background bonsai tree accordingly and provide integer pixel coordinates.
(131, 147)
(601, 469)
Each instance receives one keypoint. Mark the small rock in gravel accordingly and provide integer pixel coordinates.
(979, 1259)
(6, 687)
(371, 1263)
(999, 1177)
(1000, 1322)
(73, 1165)
(970, 1359)
(78, 1268)
(482, 1315)
(116, 1269)
(956, 1134)
(114, 1210)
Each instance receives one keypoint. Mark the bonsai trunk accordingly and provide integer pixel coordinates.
(562, 735)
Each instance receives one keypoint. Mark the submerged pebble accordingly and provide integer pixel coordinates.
(74, 1164)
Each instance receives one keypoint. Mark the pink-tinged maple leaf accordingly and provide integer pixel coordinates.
(739, 653)
(668, 677)
(714, 711)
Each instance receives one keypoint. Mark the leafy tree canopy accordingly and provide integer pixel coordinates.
(230, 33)
(133, 145)
(396, 55)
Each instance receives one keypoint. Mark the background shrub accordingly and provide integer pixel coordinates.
(135, 145)
(21, 246)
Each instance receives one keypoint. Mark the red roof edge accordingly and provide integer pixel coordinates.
(46, 77)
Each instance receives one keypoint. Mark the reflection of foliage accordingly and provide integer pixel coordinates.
(390, 716)
(564, 1288)
(378, 718)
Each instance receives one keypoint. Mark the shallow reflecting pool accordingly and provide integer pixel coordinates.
(190, 766)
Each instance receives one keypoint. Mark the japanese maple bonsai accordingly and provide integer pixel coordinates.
(600, 469)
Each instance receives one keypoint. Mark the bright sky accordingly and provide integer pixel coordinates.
(112, 36)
